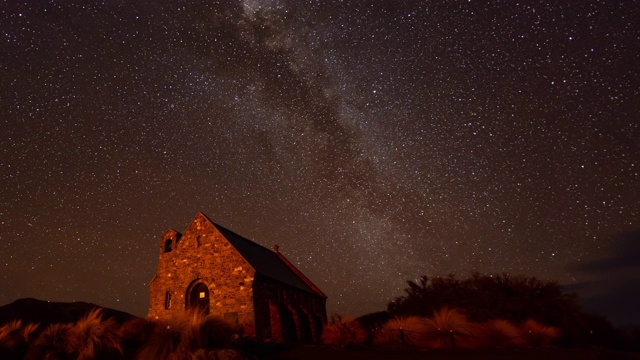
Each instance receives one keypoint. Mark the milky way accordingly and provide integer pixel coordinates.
(374, 142)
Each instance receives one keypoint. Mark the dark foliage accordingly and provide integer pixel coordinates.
(84, 331)
(45, 312)
(513, 298)
(372, 322)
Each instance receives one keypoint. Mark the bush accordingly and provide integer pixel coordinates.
(93, 335)
(537, 334)
(402, 331)
(15, 338)
(342, 332)
(51, 343)
(449, 328)
(502, 296)
(185, 334)
(497, 334)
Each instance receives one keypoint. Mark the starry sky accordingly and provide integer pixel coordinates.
(373, 141)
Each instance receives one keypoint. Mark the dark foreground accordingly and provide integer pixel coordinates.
(316, 352)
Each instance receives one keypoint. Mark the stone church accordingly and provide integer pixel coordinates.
(220, 272)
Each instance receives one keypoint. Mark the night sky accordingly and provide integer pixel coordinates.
(373, 141)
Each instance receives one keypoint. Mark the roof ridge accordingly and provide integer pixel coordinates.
(299, 273)
(249, 249)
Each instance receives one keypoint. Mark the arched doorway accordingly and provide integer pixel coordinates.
(198, 298)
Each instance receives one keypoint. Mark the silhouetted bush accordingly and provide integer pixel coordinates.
(538, 335)
(402, 331)
(342, 332)
(515, 299)
(184, 335)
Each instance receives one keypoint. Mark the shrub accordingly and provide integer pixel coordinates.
(497, 334)
(166, 340)
(133, 334)
(342, 332)
(372, 323)
(15, 338)
(448, 328)
(184, 335)
(537, 334)
(216, 333)
(51, 343)
(402, 331)
(93, 335)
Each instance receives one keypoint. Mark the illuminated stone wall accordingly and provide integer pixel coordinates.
(203, 255)
(264, 308)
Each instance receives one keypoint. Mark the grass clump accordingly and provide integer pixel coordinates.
(185, 335)
(15, 338)
(449, 328)
(497, 334)
(538, 335)
(342, 332)
(402, 331)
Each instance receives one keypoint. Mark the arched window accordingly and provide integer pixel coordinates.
(167, 300)
(167, 245)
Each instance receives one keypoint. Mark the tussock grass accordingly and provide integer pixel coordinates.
(402, 331)
(184, 335)
(497, 334)
(15, 333)
(342, 332)
(537, 334)
(88, 338)
(216, 333)
(449, 328)
(51, 343)
(165, 341)
(91, 335)
(15, 338)
(134, 334)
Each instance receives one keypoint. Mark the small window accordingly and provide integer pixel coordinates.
(167, 245)
(167, 300)
(198, 241)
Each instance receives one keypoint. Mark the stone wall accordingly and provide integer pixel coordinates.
(203, 255)
(202, 269)
(285, 314)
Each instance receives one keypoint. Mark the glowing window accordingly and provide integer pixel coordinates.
(202, 295)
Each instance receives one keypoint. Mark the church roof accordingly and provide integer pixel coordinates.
(269, 263)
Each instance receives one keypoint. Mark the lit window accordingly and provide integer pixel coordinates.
(202, 295)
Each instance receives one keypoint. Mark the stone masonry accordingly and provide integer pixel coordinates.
(202, 269)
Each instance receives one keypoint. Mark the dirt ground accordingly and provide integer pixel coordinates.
(316, 352)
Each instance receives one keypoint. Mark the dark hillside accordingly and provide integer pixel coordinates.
(44, 312)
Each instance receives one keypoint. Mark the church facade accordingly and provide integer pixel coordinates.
(218, 272)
